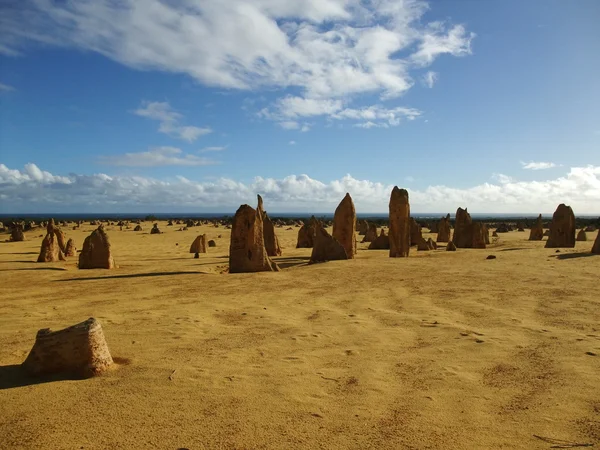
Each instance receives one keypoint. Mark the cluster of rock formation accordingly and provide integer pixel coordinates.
(96, 252)
(53, 246)
(247, 252)
(326, 247)
(468, 234)
(537, 230)
(443, 229)
(306, 234)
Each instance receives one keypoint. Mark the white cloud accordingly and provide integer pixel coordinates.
(538, 165)
(33, 189)
(169, 121)
(6, 88)
(212, 149)
(292, 143)
(324, 50)
(289, 125)
(430, 78)
(155, 157)
(305, 128)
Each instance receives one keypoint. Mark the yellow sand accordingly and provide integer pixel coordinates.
(441, 350)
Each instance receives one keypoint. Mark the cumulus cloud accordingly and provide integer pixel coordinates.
(292, 143)
(325, 50)
(155, 157)
(169, 121)
(32, 189)
(538, 165)
(212, 149)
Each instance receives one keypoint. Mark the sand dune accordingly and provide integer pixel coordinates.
(441, 350)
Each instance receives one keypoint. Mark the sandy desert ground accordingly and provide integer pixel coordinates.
(441, 350)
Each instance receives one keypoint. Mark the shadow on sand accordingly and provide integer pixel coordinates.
(292, 261)
(573, 255)
(134, 275)
(34, 268)
(13, 377)
(513, 249)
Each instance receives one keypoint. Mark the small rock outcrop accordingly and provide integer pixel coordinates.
(306, 234)
(271, 241)
(381, 243)
(326, 247)
(363, 227)
(443, 229)
(80, 351)
(581, 236)
(16, 233)
(138, 228)
(537, 230)
(416, 234)
(399, 235)
(212, 243)
(596, 246)
(155, 229)
(469, 234)
(199, 244)
(371, 233)
(96, 252)
(70, 249)
(562, 228)
(344, 225)
(450, 247)
(247, 252)
(423, 246)
(50, 250)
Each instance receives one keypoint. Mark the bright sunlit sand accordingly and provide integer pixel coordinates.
(441, 350)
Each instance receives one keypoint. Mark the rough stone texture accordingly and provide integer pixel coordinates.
(70, 249)
(596, 246)
(96, 252)
(50, 250)
(138, 228)
(423, 246)
(463, 237)
(51, 227)
(581, 236)
(486, 233)
(199, 244)
(450, 247)
(562, 228)
(326, 247)
(80, 350)
(416, 235)
(247, 252)
(537, 230)
(371, 233)
(271, 241)
(363, 227)
(432, 244)
(212, 243)
(478, 235)
(381, 243)
(306, 234)
(443, 229)
(344, 225)
(399, 236)
(155, 229)
(16, 233)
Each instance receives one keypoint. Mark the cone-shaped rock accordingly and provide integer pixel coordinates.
(344, 225)
(70, 249)
(306, 234)
(363, 227)
(562, 228)
(443, 229)
(371, 233)
(479, 233)
(537, 230)
(199, 244)
(399, 223)
(16, 233)
(138, 228)
(423, 246)
(463, 237)
(450, 247)
(381, 243)
(326, 247)
(247, 252)
(155, 229)
(271, 241)
(96, 252)
(581, 236)
(416, 235)
(79, 350)
(50, 250)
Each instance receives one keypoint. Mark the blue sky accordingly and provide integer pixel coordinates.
(158, 106)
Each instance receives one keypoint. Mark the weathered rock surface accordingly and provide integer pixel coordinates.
(443, 229)
(50, 250)
(399, 235)
(271, 241)
(326, 247)
(562, 228)
(16, 233)
(70, 249)
(469, 234)
(199, 244)
(381, 243)
(581, 236)
(155, 229)
(363, 227)
(344, 225)
(596, 246)
(138, 228)
(371, 233)
(96, 252)
(247, 252)
(306, 234)
(416, 234)
(537, 230)
(80, 350)
(450, 247)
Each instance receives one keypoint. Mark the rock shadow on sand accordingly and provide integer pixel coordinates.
(135, 275)
(62, 269)
(13, 376)
(573, 255)
(292, 261)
